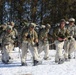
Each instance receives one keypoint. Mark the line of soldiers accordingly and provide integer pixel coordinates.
(35, 43)
(64, 38)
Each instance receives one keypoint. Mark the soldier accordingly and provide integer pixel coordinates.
(43, 41)
(60, 35)
(24, 29)
(70, 44)
(30, 40)
(2, 29)
(16, 33)
(15, 30)
(7, 44)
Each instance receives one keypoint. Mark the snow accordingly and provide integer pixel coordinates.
(48, 67)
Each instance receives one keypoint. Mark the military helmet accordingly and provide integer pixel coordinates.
(33, 25)
(8, 23)
(4, 26)
(62, 20)
(12, 23)
(25, 22)
(48, 26)
(42, 26)
(67, 22)
(71, 20)
(9, 27)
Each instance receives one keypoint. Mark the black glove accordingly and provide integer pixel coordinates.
(16, 37)
(16, 43)
(28, 36)
(0, 44)
(75, 38)
(37, 44)
(69, 38)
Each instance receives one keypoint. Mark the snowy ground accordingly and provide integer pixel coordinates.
(48, 67)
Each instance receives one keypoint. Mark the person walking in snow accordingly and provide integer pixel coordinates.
(70, 44)
(7, 44)
(30, 41)
(44, 41)
(16, 33)
(60, 34)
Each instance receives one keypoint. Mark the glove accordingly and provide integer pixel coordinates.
(37, 44)
(75, 38)
(16, 43)
(69, 38)
(28, 36)
(16, 37)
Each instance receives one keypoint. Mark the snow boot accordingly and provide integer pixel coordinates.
(61, 61)
(10, 57)
(23, 64)
(35, 62)
(5, 62)
(47, 58)
(56, 61)
(66, 59)
(69, 57)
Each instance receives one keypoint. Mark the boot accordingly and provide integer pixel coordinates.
(5, 62)
(69, 57)
(23, 64)
(66, 59)
(9, 57)
(47, 58)
(35, 62)
(61, 61)
(74, 57)
(56, 61)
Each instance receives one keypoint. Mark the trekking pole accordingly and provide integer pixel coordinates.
(20, 54)
(19, 46)
(51, 44)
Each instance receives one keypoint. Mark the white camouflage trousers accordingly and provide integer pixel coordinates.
(59, 50)
(45, 48)
(33, 50)
(69, 47)
(6, 51)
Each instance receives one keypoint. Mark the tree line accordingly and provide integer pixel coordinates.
(38, 11)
